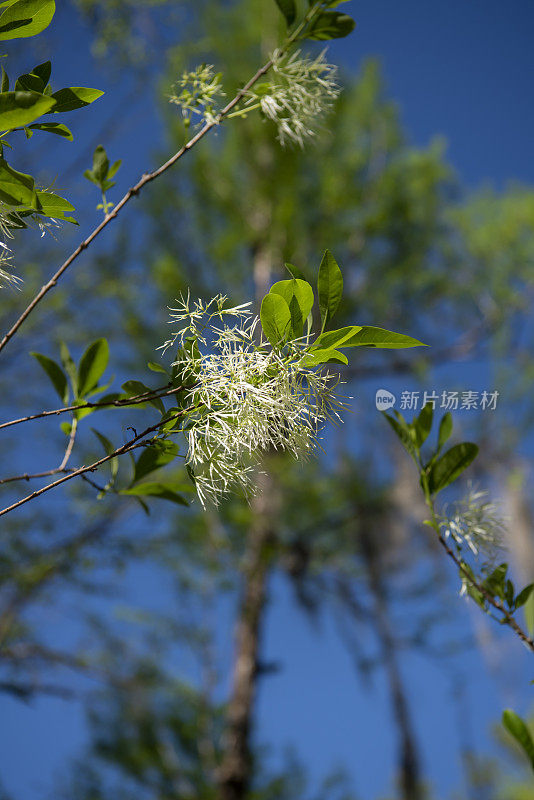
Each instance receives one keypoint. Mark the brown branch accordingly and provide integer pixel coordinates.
(153, 394)
(508, 617)
(148, 177)
(132, 192)
(62, 467)
(30, 476)
(33, 475)
(132, 444)
(70, 445)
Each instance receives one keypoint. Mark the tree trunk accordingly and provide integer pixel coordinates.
(235, 770)
(409, 769)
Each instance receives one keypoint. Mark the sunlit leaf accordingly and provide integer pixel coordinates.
(55, 373)
(450, 465)
(275, 318)
(92, 366)
(26, 18)
(329, 286)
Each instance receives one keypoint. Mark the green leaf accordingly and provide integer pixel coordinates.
(324, 356)
(155, 367)
(100, 164)
(161, 490)
(275, 318)
(5, 80)
(101, 388)
(470, 586)
(167, 421)
(109, 448)
(509, 592)
(365, 336)
(370, 336)
(69, 366)
(528, 610)
(288, 9)
(26, 18)
(56, 375)
(29, 83)
(450, 465)
(54, 127)
(90, 177)
(92, 366)
(445, 429)
(43, 71)
(54, 206)
(523, 595)
(423, 424)
(330, 287)
(16, 188)
(336, 338)
(298, 295)
(19, 108)
(154, 457)
(114, 168)
(495, 582)
(518, 729)
(134, 388)
(330, 25)
(294, 271)
(402, 430)
(74, 97)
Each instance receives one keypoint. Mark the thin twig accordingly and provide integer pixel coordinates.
(153, 394)
(132, 444)
(70, 445)
(47, 473)
(150, 176)
(508, 618)
(30, 476)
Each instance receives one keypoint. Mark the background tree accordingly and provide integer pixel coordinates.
(418, 253)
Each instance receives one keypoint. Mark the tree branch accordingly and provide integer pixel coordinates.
(150, 176)
(508, 617)
(132, 444)
(153, 394)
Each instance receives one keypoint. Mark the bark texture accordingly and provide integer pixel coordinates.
(409, 768)
(236, 766)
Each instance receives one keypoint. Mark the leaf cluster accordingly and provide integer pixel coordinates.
(286, 314)
(32, 98)
(321, 22)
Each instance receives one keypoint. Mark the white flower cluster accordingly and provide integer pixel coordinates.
(11, 219)
(251, 398)
(5, 251)
(476, 522)
(302, 90)
(196, 93)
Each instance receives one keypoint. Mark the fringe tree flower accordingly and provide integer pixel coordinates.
(6, 226)
(10, 220)
(5, 261)
(301, 91)
(475, 522)
(250, 398)
(196, 92)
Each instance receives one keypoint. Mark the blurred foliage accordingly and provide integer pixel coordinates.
(420, 255)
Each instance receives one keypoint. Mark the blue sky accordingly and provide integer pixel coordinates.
(461, 70)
